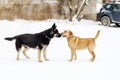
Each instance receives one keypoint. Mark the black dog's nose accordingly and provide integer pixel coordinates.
(60, 35)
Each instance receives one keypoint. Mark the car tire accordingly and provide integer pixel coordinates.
(105, 20)
(117, 24)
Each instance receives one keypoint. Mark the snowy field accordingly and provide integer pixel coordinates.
(105, 67)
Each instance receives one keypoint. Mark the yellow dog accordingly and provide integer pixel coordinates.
(76, 43)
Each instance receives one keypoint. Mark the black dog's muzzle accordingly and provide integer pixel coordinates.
(58, 35)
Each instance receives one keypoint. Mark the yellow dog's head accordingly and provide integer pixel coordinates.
(67, 33)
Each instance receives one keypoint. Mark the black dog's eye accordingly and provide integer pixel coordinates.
(55, 30)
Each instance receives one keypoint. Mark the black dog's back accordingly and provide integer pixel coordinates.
(29, 40)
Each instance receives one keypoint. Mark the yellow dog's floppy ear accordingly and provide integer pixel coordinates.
(70, 33)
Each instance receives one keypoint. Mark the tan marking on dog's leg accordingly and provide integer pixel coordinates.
(24, 52)
(44, 53)
(39, 55)
(18, 55)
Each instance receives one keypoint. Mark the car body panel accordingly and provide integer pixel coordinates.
(112, 10)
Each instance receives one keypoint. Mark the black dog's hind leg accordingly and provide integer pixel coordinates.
(18, 45)
(39, 55)
(24, 52)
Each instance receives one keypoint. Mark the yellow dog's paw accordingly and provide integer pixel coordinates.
(92, 60)
(39, 60)
(70, 60)
(46, 59)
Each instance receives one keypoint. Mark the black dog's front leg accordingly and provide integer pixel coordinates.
(39, 55)
(44, 53)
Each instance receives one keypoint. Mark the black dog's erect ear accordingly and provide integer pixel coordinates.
(54, 26)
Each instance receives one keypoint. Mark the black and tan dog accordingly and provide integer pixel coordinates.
(39, 40)
(76, 43)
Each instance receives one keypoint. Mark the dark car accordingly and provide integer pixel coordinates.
(109, 13)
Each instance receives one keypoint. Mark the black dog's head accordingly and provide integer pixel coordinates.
(53, 32)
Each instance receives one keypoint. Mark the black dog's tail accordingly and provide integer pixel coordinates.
(10, 38)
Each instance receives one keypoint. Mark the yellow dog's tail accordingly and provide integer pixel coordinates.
(97, 34)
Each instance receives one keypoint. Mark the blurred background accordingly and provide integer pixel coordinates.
(50, 9)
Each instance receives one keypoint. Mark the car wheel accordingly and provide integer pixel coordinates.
(117, 25)
(105, 20)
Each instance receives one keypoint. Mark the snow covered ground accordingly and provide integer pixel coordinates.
(105, 67)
